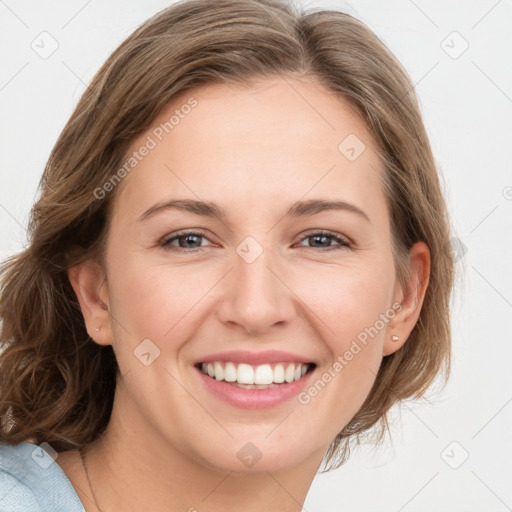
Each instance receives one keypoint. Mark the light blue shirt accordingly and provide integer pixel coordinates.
(31, 481)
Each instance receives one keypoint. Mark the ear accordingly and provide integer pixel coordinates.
(411, 297)
(89, 283)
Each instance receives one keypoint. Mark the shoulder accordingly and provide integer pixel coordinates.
(31, 481)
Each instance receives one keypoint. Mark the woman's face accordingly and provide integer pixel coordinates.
(280, 283)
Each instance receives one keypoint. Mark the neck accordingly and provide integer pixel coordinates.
(132, 456)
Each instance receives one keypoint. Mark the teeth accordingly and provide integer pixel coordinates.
(289, 373)
(219, 371)
(279, 373)
(230, 372)
(245, 374)
(260, 376)
(263, 374)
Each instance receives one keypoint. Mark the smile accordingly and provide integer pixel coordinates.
(254, 380)
(263, 376)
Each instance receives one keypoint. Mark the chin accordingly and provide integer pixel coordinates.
(253, 454)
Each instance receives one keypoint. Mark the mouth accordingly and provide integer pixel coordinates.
(248, 380)
(262, 376)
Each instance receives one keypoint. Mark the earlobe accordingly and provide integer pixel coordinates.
(89, 283)
(411, 299)
(392, 343)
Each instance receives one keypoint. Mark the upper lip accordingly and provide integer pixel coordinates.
(255, 358)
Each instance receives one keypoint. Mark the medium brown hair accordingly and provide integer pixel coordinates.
(56, 384)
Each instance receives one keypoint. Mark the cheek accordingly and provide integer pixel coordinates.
(157, 301)
(347, 299)
(351, 313)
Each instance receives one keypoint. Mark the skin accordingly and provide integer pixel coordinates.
(171, 445)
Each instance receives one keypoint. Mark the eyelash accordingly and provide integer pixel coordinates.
(344, 243)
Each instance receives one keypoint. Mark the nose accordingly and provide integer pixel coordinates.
(255, 296)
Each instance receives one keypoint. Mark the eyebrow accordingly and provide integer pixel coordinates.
(209, 209)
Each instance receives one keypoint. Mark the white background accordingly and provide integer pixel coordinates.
(467, 106)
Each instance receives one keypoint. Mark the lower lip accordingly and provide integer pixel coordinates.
(254, 398)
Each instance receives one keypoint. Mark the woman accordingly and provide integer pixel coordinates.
(238, 263)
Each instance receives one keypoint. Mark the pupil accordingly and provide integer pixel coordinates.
(323, 238)
(189, 239)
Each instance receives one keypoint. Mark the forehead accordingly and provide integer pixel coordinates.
(280, 140)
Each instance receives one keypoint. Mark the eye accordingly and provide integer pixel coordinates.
(323, 239)
(186, 240)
